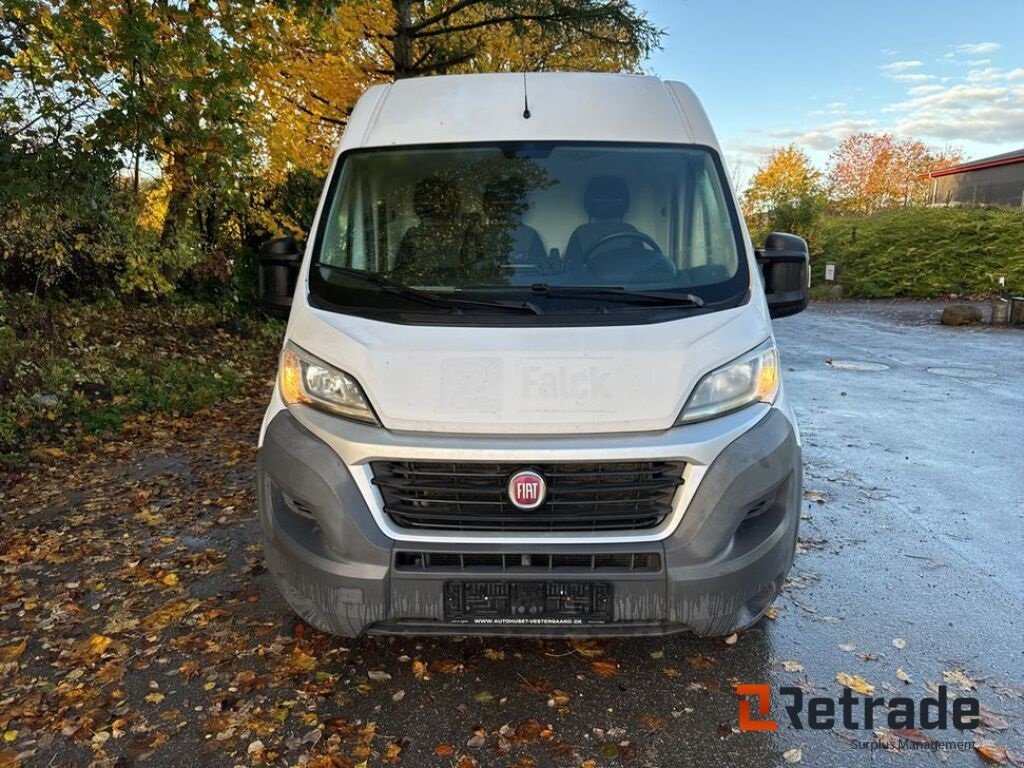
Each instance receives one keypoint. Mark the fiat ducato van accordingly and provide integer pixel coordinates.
(529, 383)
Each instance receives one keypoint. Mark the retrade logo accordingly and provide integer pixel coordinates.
(763, 693)
(527, 489)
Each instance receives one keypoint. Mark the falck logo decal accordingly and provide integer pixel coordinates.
(527, 489)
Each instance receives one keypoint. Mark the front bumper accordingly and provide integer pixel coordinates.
(718, 569)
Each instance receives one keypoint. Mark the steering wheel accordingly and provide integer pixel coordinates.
(652, 248)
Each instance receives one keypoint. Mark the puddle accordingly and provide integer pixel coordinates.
(857, 365)
(964, 373)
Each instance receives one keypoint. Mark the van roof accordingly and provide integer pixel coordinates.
(564, 106)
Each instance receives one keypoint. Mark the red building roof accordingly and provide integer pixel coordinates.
(1007, 158)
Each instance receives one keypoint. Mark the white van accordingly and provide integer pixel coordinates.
(529, 384)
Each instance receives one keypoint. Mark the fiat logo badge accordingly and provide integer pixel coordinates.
(527, 489)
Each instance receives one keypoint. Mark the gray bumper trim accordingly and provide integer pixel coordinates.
(722, 566)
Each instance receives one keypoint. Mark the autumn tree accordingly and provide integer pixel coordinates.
(225, 103)
(325, 61)
(868, 172)
(785, 194)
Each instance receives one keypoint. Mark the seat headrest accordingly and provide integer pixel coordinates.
(436, 197)
(606, 197)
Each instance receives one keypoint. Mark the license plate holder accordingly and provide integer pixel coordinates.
(528, 603)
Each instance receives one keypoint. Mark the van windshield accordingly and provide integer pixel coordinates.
(566, 227)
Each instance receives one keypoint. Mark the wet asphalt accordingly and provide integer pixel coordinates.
(913, 528)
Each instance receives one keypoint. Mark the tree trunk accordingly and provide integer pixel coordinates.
(403, 39)
(179, 201)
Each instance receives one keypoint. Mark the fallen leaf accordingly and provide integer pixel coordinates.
(910, 734)
(900, 643)
(957, 677)
(772, 613)
(378, 675)
(392, 752)
(605, 667)
(794, 755)
(465, 761)
(444, 750)
(398, 695)
(793, 666)
(302, 660)
(901, 675)
(558, 698)
(847, 647)
(170, 579)
(856, 683)
(154, 698)
(992, 752)
(11, 652)
(419, 670)
(652, 723)
(98, 644)
(588, 649)
(732, 639)
(483, 697)
(700, 661)
(993, 721)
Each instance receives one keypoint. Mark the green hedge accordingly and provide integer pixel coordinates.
(923, 252)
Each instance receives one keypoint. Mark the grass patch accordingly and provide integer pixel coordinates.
(924, 252)
(77, 370)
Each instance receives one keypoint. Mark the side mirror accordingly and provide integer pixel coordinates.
(786, 266)
(280, 260)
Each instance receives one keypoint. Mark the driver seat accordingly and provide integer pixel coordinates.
(606, 201)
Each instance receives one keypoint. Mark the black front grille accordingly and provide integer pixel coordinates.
(473, 496)
(448, 562)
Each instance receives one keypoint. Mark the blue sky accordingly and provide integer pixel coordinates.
(814, 71)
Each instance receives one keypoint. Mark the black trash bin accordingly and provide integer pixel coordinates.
(280, 260)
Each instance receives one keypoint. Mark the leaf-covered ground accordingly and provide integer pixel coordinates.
(139, 627)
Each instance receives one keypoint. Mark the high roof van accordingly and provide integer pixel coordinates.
(529, 383)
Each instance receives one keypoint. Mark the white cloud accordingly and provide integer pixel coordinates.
(921, 90)
(1015, 74)
(978, 49)
(987, 75)
(901, 66)
(977, 112)
(913, 77)
(823, 137)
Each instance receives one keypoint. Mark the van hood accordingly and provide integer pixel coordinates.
(529, 381)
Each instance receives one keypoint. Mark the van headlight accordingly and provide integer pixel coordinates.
(750, 378)
(308, 380)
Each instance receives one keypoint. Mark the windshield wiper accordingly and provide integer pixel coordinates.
(584, 291)
(426, 297)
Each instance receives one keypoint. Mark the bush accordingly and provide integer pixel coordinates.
(70, 369)
(923, 252)
(71, 226)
